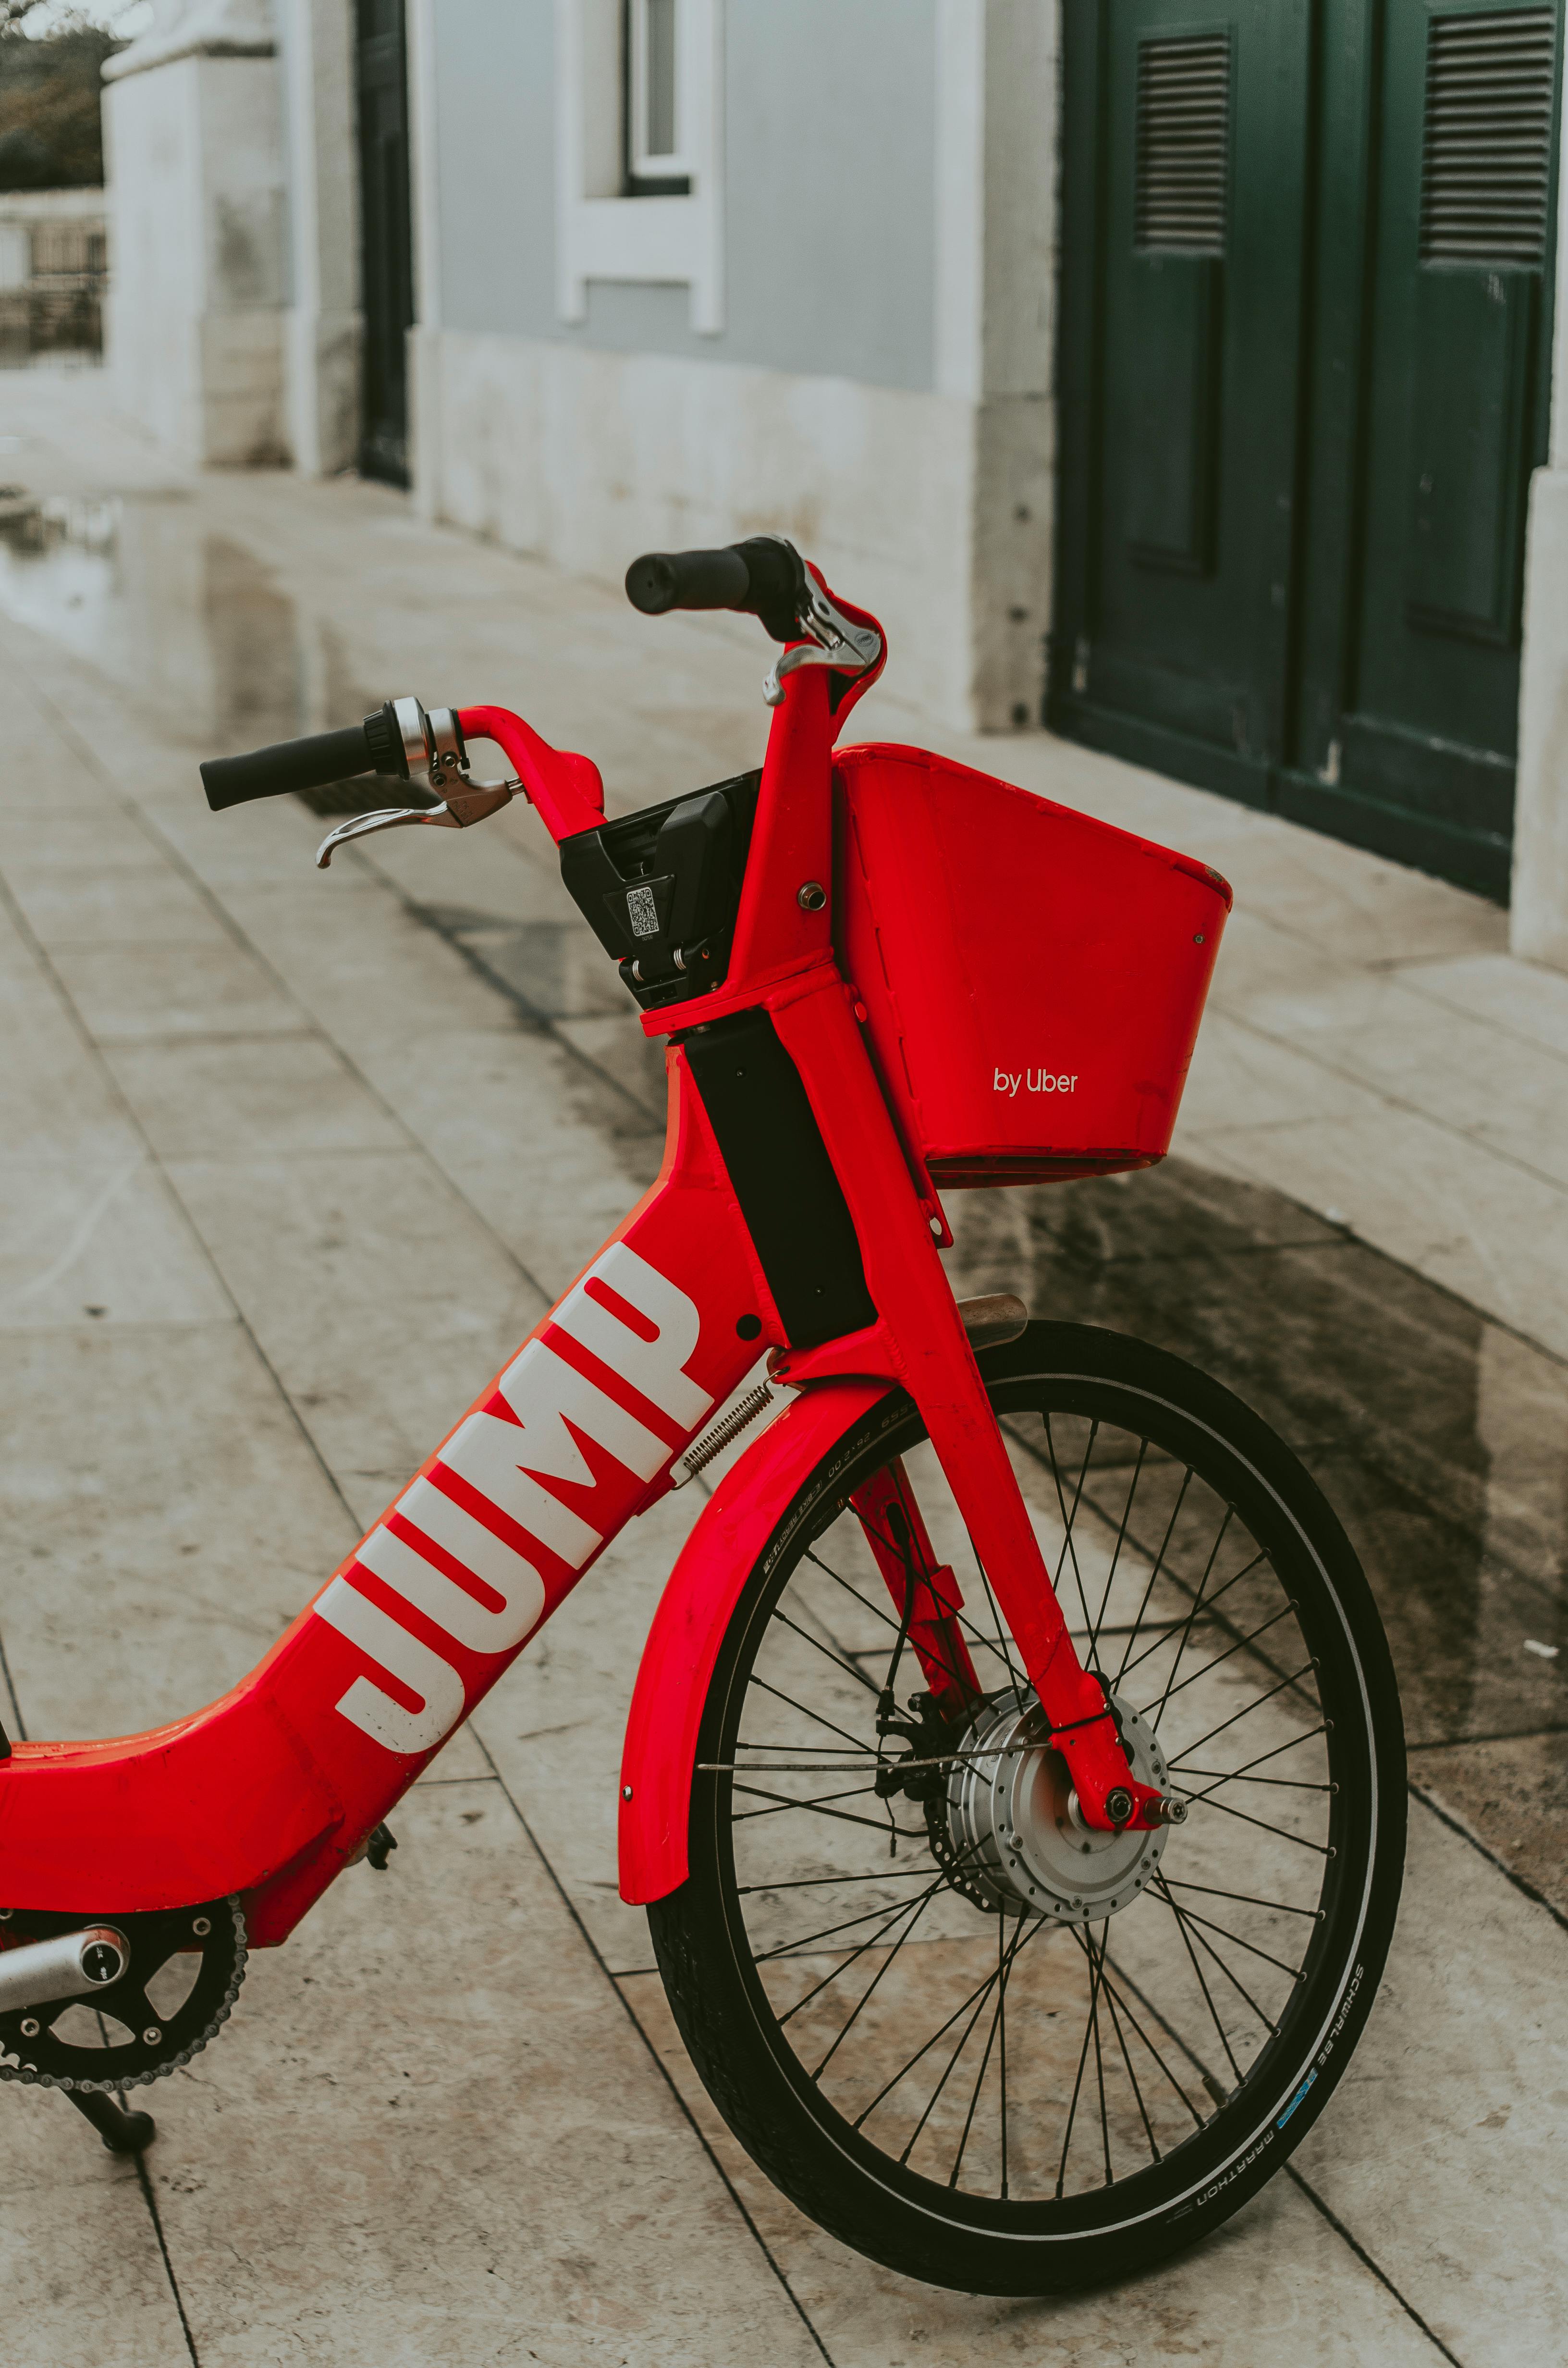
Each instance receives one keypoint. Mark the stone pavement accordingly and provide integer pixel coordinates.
(292, 1161)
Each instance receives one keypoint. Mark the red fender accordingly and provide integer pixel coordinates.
(688, 1627)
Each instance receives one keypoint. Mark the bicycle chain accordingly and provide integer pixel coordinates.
(40, 2060)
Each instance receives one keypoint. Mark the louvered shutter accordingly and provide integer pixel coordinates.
(1183, 144)
(1486, 163)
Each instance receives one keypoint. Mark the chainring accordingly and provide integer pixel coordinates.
(138, 2044)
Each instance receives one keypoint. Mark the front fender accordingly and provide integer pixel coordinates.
(693, 1612)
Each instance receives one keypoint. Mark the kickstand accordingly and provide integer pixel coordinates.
(122, 2133)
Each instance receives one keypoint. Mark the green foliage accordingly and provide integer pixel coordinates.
(51, 136)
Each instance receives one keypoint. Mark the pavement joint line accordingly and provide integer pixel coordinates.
(1382, 1093)
(550, 1024)
(654, 2056)
(1503, 1734)
(1364, 1242)
(153, 830)
(1368, 2263)
(1464, 1011)
(96, 1055)
(1457, 1826)
(151, 2200)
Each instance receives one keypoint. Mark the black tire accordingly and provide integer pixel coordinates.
(754, 1993)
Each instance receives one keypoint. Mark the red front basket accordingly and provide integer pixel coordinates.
(1032, 979)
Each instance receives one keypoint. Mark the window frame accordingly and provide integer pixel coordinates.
(643, 173)
(603, 233)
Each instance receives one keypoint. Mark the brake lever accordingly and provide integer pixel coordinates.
(834, 641)
(473, 803)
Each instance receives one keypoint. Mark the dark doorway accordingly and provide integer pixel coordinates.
(386, 236)
(1306, 351)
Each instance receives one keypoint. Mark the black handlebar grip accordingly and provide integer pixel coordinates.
(662, 580)
(762, 576)
(308, 764)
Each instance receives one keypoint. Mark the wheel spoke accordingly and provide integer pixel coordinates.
(1208, 2000)
(1154, 1570)
(1226, 1934)
(1197, 1605)
(920, 1907)
(1187, 1920)
(1082, 2060)
(1220, 1658)
(836, 1658)
(815, 1715)
(1003, 1966)
(1098, 1629)
(1207, 1800)
(1263, 1757)
(1126, 2060)
(1068, 1519)
(911, 1908)
(1245, 1899)
(1247, 1708)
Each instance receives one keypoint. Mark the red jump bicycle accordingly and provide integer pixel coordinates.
(1014, 1775)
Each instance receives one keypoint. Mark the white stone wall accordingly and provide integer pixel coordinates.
(1538, 915)
(586, 458)
(933, 507)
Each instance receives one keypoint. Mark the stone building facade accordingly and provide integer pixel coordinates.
(597, 276)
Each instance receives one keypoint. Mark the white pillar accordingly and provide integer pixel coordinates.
(196, 207)
(322, 328)
(996, 169)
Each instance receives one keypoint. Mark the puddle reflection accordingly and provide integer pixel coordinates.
(191, 626)
(1441, 1440)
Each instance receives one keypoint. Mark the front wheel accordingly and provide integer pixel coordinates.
(975, 2039)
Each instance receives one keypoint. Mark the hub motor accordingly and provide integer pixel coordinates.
(1014, 1841)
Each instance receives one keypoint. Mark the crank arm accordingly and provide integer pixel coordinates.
(455, 812)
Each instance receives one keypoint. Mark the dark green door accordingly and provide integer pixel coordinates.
(1306, 316)
(1197, 205)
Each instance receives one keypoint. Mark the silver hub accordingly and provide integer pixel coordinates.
(1019, 1842)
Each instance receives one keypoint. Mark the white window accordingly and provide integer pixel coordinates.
(656, 163)
(639, 150)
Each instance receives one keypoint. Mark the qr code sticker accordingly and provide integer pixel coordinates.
(641, 912)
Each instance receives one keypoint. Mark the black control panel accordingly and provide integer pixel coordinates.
(660, 888)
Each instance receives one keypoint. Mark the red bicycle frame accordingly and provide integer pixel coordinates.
(270, 1792)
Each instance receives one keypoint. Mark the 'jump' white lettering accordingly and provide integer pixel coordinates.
(504, 1463)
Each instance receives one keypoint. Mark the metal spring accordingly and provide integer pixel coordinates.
(755, 1402)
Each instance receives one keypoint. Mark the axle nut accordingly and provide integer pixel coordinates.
(1119, 1805)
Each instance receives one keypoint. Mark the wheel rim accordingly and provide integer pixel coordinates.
(1032, 2062)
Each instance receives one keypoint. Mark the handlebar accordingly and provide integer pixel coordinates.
(308, 764)
(763, 578)
(395, 738)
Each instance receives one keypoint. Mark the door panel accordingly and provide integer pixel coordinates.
(1174, 415)
(1201, 213)
(1456, 408)
(1474, 340)
(1304, 372)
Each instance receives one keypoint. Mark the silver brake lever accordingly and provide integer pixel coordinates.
(835, 642)
(475, 802)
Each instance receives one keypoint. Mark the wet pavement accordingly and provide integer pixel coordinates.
(293, 1160)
